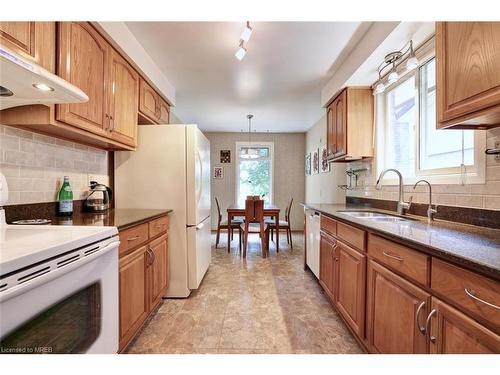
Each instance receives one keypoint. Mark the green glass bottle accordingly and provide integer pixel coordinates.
(65, 199)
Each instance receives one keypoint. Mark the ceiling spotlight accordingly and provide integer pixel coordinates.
(247, 33)
(42, 87)
(240, 53)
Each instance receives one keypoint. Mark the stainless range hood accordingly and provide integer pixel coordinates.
(23, 82)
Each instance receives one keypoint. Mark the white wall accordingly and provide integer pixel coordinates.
(322, 187)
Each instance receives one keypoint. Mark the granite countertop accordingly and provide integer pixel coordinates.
(122, 218)
(471, 246)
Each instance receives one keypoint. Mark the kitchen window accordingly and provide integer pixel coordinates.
(409, 141)
(254, 176)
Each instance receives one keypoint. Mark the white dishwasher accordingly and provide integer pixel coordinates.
(312, 240)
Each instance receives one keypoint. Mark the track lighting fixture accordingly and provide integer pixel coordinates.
(393, 60)
(245, 37)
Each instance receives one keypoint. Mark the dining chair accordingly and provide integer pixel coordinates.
(284, 224)
(254, 223)
(230, 227)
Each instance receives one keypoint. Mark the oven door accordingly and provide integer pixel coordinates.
(72, 309)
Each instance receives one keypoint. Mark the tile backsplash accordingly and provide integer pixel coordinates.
(35, 164)
(485, 196)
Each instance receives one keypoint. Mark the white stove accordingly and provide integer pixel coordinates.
(58, 288)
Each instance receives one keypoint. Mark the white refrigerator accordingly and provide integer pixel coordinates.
(171, 169)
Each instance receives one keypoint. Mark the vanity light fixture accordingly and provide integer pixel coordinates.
(392, 60)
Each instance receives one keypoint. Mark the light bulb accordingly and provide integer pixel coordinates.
(380, 88)
(42, 87)
(393, 77)
(240, 53)
(411, 63)
(246, 34)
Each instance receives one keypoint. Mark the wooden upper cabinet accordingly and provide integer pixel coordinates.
(123, 100)
(149, 102)
(35, 41)
(164, 112)
(158, 270)
(396, 312)
(350, 273)
(83, 60)
(468, 74)
(341, 125)
(350, 125)
(452, 332)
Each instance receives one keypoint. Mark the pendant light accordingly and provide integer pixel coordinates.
(249, 152)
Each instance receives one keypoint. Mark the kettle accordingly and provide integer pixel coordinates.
(99, 198)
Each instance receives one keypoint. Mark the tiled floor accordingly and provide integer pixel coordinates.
(255, 306)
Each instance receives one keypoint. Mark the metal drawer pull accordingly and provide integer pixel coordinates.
(472, 294)
(392, 256)
(428, 326)
(417, 320)
(133, 238)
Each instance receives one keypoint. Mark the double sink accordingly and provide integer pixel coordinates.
(376, 216)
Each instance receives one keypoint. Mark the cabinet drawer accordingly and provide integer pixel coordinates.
(133, 237)
(158, 226)
(475, 293)
(328, 225)
(408, 262)
(353, 236)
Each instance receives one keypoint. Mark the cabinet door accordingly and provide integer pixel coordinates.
(326, 267)
(35, 41)
(83, 59)
(164, 112)
(467, 68)
(124, 96)
(350, 271)
(396, 313)
(331, 138)
(149, 101)
(134, 304)
(341, 124)
(158, 270)
(455, 333)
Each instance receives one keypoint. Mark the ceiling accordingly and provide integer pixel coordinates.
(279, 80)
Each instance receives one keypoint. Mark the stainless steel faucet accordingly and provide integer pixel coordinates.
(430, 211)
(402, 205)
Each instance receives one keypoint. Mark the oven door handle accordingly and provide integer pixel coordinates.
(58, 272)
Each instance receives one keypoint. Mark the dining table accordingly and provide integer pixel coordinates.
(270, 210)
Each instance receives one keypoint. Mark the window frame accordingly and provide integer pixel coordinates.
(269, 145)
(475, 174)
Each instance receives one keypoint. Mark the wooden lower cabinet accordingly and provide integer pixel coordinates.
(327, 250)
(394, 320)
(158, 270)
(134, 303)
(350, 273)
(452, 332)
(143, 275)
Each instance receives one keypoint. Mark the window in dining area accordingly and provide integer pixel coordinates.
(254, 171)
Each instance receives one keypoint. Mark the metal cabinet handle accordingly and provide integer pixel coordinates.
(389, 255)
(417, 318)
(472, 294)
(153, 256)
(133, 238)
(428, 326)
(112, 123)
